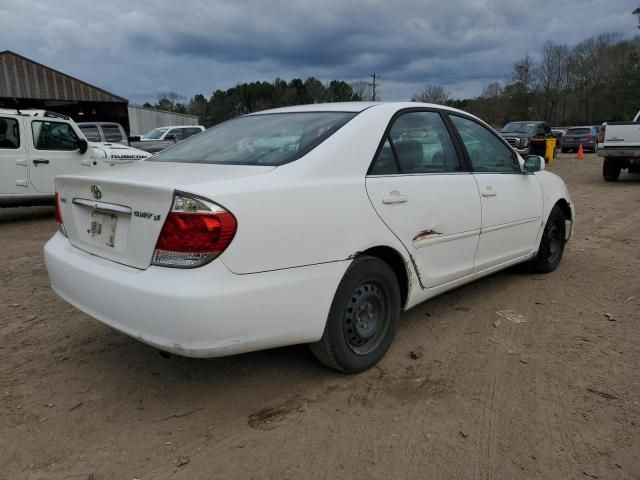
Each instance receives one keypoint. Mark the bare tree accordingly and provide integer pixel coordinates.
(362, 89)
(523, 71)
(552, 73)
(172, 97)
(432, 94)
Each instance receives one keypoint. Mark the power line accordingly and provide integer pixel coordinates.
(374, 85)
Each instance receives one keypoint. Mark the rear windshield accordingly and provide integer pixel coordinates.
(579, 131)
(267, 139)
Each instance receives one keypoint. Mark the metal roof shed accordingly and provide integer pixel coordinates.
(25, 83)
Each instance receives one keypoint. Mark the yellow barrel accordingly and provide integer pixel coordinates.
(550, 150)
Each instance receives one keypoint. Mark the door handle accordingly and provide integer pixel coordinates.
(38, 161)
(488, 192)
(394, 197)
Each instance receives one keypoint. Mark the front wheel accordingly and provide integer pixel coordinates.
(552, 243)
(362, 319)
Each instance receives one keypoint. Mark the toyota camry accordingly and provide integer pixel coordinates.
(311, 224)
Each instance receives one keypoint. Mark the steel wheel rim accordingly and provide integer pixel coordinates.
(554, 241)
(366, 318)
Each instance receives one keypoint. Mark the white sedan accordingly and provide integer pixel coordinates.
(310, 224)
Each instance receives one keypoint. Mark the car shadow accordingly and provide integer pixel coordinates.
(26, 214)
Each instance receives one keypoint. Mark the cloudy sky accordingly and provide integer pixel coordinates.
(137, 48)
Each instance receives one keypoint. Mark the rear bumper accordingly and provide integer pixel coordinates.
(201, 312)
(573, 144)
(620, 152)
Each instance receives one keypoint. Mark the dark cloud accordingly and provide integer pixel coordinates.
(138, 48)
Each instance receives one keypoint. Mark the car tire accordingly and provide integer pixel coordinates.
(552, 244)
(362, 319)
(610, 171)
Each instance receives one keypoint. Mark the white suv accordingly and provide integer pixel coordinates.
(36, 146)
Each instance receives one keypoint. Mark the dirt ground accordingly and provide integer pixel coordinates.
(554, 397)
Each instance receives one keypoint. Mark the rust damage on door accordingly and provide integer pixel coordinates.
(424, 234)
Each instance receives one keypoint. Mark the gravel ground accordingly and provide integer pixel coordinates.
(554, 397)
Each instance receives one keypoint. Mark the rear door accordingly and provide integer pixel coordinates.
(13, 157)
(511, 200)
(421, 190)
(54, 151)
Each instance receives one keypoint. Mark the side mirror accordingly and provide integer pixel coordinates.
(534, 163)
(82, 145)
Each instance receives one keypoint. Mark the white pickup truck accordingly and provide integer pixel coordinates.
(36, 146)
(619, 144)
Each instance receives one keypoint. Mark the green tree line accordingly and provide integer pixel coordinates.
(252, 97)
(594, 81)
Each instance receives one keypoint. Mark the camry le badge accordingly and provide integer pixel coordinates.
(96, 192)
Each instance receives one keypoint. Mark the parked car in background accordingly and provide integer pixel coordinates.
(520, 135)
(619, 144)
(587, 136)
(37, 145)
(558, 134)
(106, 132)
(308, 224)
(178, 133)
(163, 137)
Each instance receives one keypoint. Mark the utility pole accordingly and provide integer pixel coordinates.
(374, 85)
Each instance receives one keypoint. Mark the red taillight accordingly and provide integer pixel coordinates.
(58, 212)
(61, 228)
(195, 232)
(601, 132)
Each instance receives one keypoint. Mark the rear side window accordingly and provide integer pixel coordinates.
(91, 132)
(579, 131)
(9, 133)
(268, 139)
(188, 132)
(486, 152)
(418, 142)
(53, 136)
(112, 133)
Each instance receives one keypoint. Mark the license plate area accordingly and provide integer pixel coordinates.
(102, 228)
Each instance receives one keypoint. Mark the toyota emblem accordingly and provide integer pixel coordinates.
(96, 192)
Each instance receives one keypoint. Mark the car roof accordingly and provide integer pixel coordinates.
(353, 107)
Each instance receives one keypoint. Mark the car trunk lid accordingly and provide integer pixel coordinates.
(118, 214)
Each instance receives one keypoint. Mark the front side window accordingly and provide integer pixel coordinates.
(421, 143)
(486, 152)
(155, 134)
(49, 135)
(91, 132)
(175, 133)
(112, 133)
(9, 133)
(264, 139)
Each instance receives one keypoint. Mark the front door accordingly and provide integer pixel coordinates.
(13, 158)
(54, 151)
(511, 200)
(421, 191)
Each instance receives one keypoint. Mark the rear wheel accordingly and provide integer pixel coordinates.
(610, 171)
(362, 319)
(552, 243)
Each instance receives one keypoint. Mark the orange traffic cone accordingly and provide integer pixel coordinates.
(580, 153)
